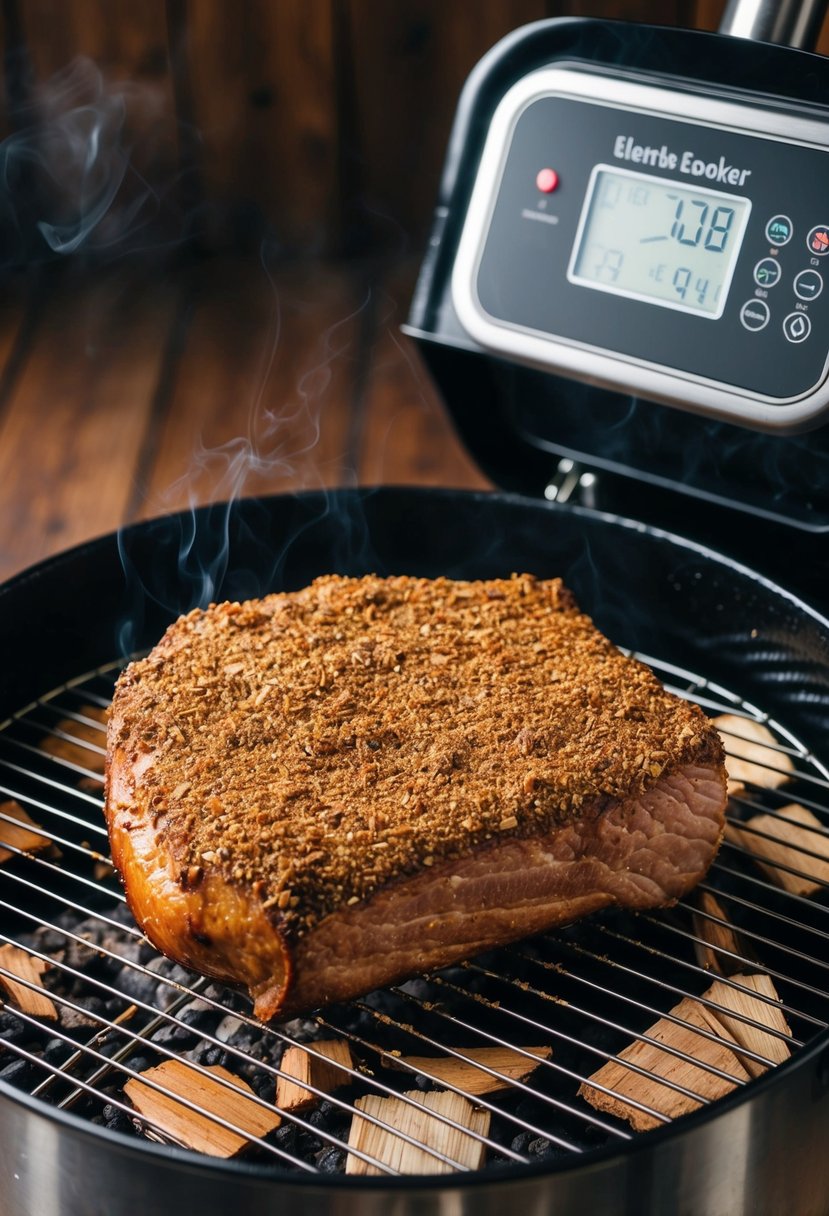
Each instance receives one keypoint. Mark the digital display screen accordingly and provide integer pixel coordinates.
(650, 239)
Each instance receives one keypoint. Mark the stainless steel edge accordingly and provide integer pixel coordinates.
(787, 22)
(754, 1159)
(581, 360)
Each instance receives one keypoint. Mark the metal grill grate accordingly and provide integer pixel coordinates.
(585, 992)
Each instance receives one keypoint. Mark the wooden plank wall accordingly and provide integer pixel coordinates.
(320, 124)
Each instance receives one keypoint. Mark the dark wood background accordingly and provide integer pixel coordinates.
(319, 123)
(237, 193)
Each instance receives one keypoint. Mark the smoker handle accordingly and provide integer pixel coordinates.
(787, 22)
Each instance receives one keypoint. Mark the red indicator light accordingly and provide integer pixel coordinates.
(546, 180)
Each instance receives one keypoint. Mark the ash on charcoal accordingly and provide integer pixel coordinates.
(227, 1028)
(301, 1030)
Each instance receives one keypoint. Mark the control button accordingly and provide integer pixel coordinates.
(779, 230)
(767, 272)
(808, 285)
(818, 240)
(797, 327)
(546, 180)
(755, 314)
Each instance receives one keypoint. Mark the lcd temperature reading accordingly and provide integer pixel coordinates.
(656, 240)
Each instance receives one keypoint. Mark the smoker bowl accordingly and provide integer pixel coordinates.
(758, 1151)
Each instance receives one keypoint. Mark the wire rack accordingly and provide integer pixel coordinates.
(582, 994)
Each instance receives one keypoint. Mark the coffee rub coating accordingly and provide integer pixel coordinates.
(301, 755)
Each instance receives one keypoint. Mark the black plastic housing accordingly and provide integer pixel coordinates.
(657, 463)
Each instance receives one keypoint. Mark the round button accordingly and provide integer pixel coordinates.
(546, 180)
(818, 240)
(797, 327)
(767, 272)
(808, 285)
(779, 230)
(755, 314)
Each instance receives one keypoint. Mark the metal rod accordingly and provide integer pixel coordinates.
(787, 22)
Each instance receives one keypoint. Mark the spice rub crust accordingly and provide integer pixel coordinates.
(313, 747)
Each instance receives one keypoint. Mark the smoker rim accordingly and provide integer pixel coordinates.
(494, 1175)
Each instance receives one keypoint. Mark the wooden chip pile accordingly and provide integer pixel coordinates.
(182, 1114)
(711, 1036)
(790, 844)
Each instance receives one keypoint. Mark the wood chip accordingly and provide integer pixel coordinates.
(650, 1090)
(91, 756)
(20, 837)
(305, 1069)
(752, 754)
(191, 1128)
(28, 968)
(792, 845)
(512, 1065)
(741, 1000)
(383, 1144)
(718, 938)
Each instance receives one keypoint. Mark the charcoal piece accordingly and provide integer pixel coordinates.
(227, 1028)
(540, 1147)
(129, 949)
(11, 1027)
(75, 1019)
(137, 984)
(285, 1137)
(116, 1119)
(301, 1030)
(50, 941)
(331, 1160)
(171, 1035)
(83, 956)
(137, 1063)
(216, 1055)
(521, 1142)
(111, 1046)
(264, 1086)
(56, 1051)
(199, 1015)
(168, 993)
(19, 1073)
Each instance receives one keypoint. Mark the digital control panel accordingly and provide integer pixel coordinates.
(669, 244)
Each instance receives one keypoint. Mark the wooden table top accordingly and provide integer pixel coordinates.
(128, 393)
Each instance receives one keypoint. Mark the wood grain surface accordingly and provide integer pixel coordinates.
(319, 125)
(124, 394)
